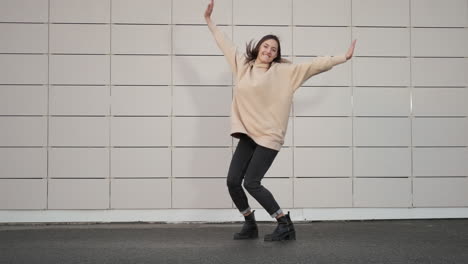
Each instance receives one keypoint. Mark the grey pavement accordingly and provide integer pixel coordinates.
(388, 241)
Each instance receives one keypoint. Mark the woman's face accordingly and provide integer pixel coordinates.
(268, 51)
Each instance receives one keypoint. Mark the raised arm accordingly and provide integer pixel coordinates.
(303, 71)
(208, 12)
(350, 52)
(225, 44)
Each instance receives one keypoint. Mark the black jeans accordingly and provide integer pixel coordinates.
(250, 163)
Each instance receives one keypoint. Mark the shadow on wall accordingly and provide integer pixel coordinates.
(202, 149)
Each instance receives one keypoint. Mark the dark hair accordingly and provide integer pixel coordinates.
(251, 52)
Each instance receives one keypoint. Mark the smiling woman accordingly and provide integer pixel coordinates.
(260, 108)
(268, 47)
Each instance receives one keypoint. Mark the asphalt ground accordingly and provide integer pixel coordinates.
(383, 241)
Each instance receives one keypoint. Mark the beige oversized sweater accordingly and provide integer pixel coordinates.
(263, 93)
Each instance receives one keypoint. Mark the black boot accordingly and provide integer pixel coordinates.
(290, 224)
(284, 230)
(249, 229)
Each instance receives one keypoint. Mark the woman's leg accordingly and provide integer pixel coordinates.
(239, 163)
(259, 164)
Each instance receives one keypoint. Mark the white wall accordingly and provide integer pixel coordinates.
(119, 104)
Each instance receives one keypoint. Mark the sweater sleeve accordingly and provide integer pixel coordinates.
(233, 57)
(301, 72)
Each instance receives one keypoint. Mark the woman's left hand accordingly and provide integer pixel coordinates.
(350, 52)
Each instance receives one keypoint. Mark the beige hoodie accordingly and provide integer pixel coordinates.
(262, 99)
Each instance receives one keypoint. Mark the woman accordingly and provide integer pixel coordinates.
(265, 84)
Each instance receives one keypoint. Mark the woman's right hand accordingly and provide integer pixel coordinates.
(209, 10)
